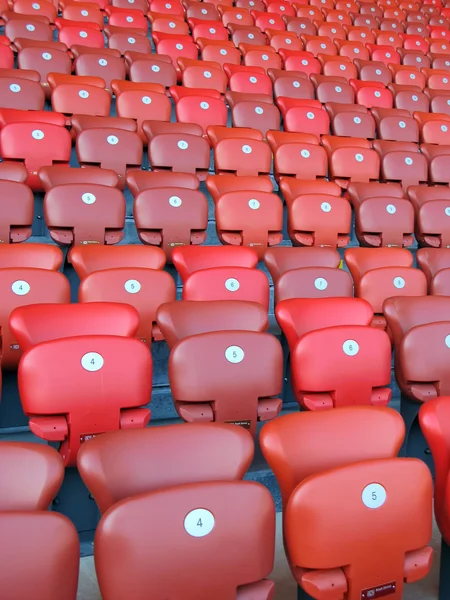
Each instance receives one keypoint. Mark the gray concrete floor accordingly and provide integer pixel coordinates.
(426, 589)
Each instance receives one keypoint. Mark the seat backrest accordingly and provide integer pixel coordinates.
(31, 474)
(280, 260)
(80, 213)
(40, 256)
(434, 419)
(16, 216)
(433, 260)
(52, 568)
(120, 464)
(144, 289)
(90, 258)
(403, 313)
(178, 320)
(362, 260)
(101, 378)
(371, 497)
(299, 316)
(299, 445)
(39, 323)
(188, 259)
(236, 520)
(250, 362)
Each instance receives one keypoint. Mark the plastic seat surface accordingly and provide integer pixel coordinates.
(37, 323)
(40, 256)
(16, 216)
(113, 381)
(251, 363)
(111, 478)
(33, 474)
(189, 259)
(90, 258)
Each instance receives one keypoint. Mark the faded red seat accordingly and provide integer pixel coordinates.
(90, 258)
(181, 319)
(170, 216)
(143, 106)
(57, 565)
(37, 323)
(351, 120)
(305, 475)
(58, 175)
(383, 217)
(85, 214)
(36, 256)
(97, 466)
(218, 185)
(44, 62)
(189, 259)
(37, 466)
(351, 160)
(382, 273)
(431, 208)
(356, 366)
(298, 155)
(235, 152)
(435, 263)
(113, 380)
(22, 286)
(252, 364)
(420, 329)
(401, 161)
(144, 289)
(138, 180)
(307, 273)
(16, 214)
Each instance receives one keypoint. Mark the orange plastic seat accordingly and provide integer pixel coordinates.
(189, 259)
(178, 320)
(21, 286)
(38, 323)
(37, 145)
(143, 106)
(381, 273)
(252, 387)
(249, 218)
(307, 273)
(348, 570)
(218, 185)
(169, 216)
(144, 289)
(114, 395)
(319, 220)
(81, 213)
(57, 565)
(357, 359)
(109, 148)
(91, 258)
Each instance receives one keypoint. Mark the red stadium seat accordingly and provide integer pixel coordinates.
(252, 387)
(351, 160)
(305, 476)
(235, 152)
(57, 175)
(202, 111)
(22, 286)
(178, 320)
(431, 208)
(149, 68)
(307, 273)
(44, 63)
(401, 162)
(101, 65)
(297, 155)
(91, 258)
(16, 215)
(435, 263)
(37, 145)
(189, 259)
(38, 467)
(57, 565)
(21, 94)
(105, 401)
(381, 273)
(137, 181)
(143, 106)
(218, 185)
(96, 462)
(169, 217)
(81, 35)
(34, 256)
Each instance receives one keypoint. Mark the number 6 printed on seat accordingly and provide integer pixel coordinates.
(101, 384)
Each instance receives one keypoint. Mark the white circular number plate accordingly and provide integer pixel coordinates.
(199, 522)
(246, 149)
(326, 207)
(320, 283)
(102, 62)
(234, 354)
(373, 495)
(132, 286)
(14, 87)
(155, 69)
(305, 153)
(92, 361)
(175, 201)
(254, 204)
(47, 56)
(83, 34)
(447, 211)
(37, 134)
(146, 100)
(399, 283)
(88, 198)
(182, 145)
(232, 284)
(259, 110)
(83, 94)
(447, 341)
(112, 139)
(204, 105)
(20, 288)
(350, 347)
(390, 208)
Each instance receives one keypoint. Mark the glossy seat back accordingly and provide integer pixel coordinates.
(39, 323)
(16, 216)
(188, 259)
(31, 474)
(111, 471)
(90, 258)
(198, 539)
(52, 568)
(178, 320)
(100, 386)
(250, 362)
(41, 256)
